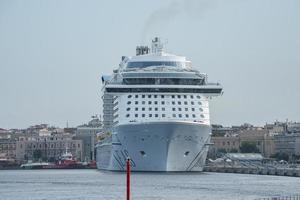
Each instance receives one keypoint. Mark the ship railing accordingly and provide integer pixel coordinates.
(217, 84)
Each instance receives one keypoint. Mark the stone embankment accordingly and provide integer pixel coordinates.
(294, 172)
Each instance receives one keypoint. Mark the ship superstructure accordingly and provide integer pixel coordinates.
(155, 105)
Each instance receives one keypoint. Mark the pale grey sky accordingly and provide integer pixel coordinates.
(52, 54)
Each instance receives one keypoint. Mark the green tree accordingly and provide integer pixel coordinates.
(281, 156)
(248, 147)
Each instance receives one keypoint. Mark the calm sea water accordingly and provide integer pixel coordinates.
(93, 184)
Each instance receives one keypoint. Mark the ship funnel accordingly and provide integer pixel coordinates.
(141, 50)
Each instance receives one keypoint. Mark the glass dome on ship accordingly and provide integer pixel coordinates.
(155, 105)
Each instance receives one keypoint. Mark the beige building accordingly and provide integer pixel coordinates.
(7, 149)
(48, 147)
(231, 143)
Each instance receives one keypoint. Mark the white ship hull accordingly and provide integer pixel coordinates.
(156, 146)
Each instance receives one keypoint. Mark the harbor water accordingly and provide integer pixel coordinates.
(94, 184)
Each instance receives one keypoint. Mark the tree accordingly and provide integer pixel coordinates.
(281, 156)
(248, 147)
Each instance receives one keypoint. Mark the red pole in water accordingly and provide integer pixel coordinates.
(128, 178)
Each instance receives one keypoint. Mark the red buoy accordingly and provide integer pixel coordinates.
(128, 178)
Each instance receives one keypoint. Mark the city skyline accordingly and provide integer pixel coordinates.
(53, 53)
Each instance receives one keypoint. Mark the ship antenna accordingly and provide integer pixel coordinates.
(157, 46)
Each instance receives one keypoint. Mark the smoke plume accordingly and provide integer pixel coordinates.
(162, 17)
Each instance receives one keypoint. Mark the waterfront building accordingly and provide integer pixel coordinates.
(289, 142)
(7, 148)
(88, 134)
(263, 140)
(48, 148)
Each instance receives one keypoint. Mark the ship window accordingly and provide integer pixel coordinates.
(156, 115)
(179, 109)
(186, 109)
(155, 102)
(163, 103)
(185, 103)
(150, 109)
(156, 109)
(180, 115)
(193, 109)
(128, 102)
(149, 96)
(198, 97)
(136, 102)
(155, 96)
(143, 102)
(173, 102)
(163, 115)
(162, 96)
(136, 115)
(178, 96)
(128, 109)
(192, 96)
(143, 109)
(174, 115)
(192, 102)
(202, 115)
(143, 64)
(173, 96)
(201, 109)
(143, 96)
(199, 103)
(143, 115)
(150, 115)
(194, 116)
(149, 102)
(184, 96)
(174, 109)
(179, 102)
(136, 96)
(129, 96)
(136, 109)
(186, 115)
(163, 109)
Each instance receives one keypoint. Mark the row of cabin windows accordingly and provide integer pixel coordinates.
(163, 109)
(163, 103)
(163, 96)
(164, 115)
(149, 96)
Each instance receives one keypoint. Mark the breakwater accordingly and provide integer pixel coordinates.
(277, 171)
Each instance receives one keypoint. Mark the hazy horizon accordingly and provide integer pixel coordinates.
(53, 53)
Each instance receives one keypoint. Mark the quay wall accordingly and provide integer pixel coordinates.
(293, 172)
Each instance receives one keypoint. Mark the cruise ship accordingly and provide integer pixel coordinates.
(155, 112)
